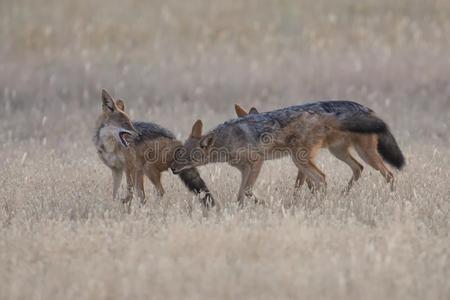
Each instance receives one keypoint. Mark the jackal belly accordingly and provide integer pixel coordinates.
(256, 152)
(276, 153)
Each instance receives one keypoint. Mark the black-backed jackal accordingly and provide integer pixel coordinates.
(340, 148)
(138, 149)
(298, 131)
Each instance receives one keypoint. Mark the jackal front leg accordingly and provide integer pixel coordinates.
(117, 178)
(250, 172)
(130, 175)
(139, 185)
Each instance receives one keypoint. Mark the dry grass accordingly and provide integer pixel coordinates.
(61, 236)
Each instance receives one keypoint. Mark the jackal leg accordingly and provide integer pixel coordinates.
(301, 180)
(117, 178)
(254, 173)
(155, 177)
(369, 153)
(130, 175)
(342, 153)
(139, 181)
(249, 172)
(310, 170)
(245, 172)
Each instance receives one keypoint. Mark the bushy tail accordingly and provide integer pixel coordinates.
(362, 123)
(389, 150)
(192, 180)
(368, 123)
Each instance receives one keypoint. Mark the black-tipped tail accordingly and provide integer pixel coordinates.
(192, 180)
(389, 150)
(367, 124)
(362, 123)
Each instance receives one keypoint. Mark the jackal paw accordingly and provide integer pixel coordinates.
(392, 187)
(207, 200)
(127, 199)
(249, 195)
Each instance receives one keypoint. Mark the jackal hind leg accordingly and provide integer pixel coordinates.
(117, 179)
(155, 177)
(343, 154)
(369, 153)
(300, 180)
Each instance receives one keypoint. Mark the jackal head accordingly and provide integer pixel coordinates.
(195, 151)
(115, 122)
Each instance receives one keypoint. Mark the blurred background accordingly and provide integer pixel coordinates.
(175, 61)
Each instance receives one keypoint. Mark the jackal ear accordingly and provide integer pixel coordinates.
(120, 105)
(197, 129)
(253, 111)
(240, 112)
(108, 102)
(206, 141)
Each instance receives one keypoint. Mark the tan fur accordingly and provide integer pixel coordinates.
(110, 151)
(314, 129)
(149, 158)
(297, 131)
(339, 144)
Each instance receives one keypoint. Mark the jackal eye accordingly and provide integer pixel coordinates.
(197, 155)
(179, 153)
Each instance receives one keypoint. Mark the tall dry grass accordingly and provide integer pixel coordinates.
(173, 62)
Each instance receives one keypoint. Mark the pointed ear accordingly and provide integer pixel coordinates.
(197, 129)
(253, 111)
(240, 112)
(120, 105)
(107, 102)
(206, 141)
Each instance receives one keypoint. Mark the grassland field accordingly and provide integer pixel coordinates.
(172, 62)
